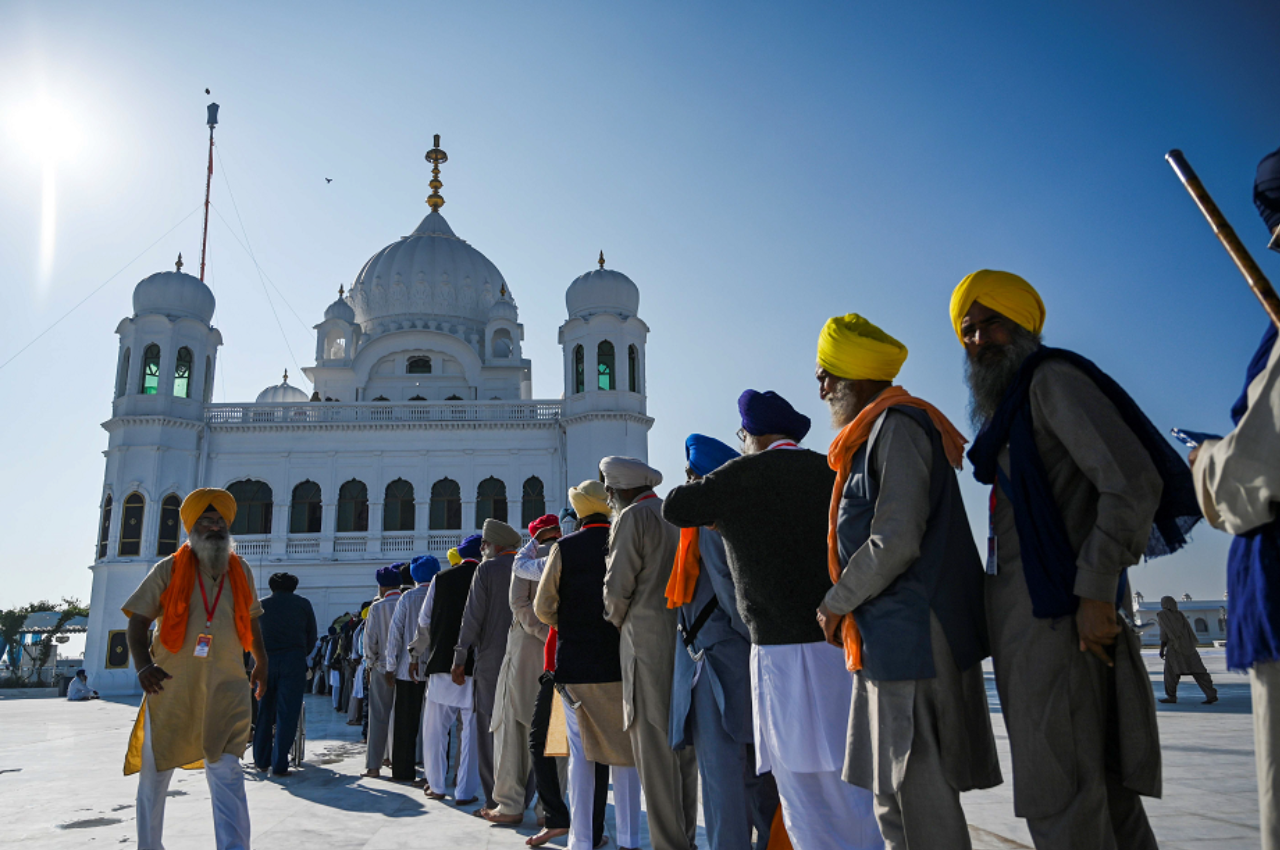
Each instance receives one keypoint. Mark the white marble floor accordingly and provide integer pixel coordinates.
(62, 783)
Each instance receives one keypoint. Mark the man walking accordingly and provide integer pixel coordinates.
(196, 707)
(380, 686)
(288, 630)
(1181, 658)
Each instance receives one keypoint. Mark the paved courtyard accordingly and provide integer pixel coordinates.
(60, 778)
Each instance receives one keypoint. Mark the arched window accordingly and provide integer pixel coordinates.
(1201, 626)
(604, 366)
(446, 505)
(150, 370)
(208, 380)
(353, 506)
(182, 374)
(579, 370)
(397, 507)
(105, 531)
(419, 366)
(491, 501)
(131, 525)
(253, 507)
(306, 510)
(533, 502)
(633, 369)
(501, 344)
(170, 524)
(122, 378)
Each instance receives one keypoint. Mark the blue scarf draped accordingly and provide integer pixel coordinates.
(1048, 558)
(1253, 564)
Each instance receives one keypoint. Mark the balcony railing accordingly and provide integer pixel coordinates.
(379, 412)
(253, 547)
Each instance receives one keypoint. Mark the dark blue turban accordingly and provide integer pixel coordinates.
(470, 548)
(423, 568)
(706, 454)
(770, 413)
(390, 576)
(1266, 190)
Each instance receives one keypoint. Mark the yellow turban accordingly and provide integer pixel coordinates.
(454, 557)
(1007, 294)
(851, 347)
(589, 498)
(201, 500)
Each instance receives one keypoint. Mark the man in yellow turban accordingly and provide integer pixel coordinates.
(196, 710)
(1083, 486)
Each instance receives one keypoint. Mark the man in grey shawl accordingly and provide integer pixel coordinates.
(1181, 658)
(642, 550)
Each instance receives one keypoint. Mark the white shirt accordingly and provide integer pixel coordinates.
(79, 690)
(527, 564)
(376, 629)
(404, 627)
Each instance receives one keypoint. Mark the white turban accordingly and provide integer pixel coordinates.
(628, 473)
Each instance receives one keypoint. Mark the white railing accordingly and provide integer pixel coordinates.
(350, 544)
(439, 544)
(253, 547)
(376, 412)
(302, 547)
(397, 544)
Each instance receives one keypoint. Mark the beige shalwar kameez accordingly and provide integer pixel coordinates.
(514, 699)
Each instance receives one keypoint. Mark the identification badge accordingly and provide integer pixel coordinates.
(202, 646)
(992, 568)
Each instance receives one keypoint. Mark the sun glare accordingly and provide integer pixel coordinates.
(45, 130)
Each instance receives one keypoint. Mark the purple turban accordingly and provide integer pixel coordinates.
(470, 548)
(389, 576)
(770, 413)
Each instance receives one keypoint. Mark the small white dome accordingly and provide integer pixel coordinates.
(282, 393)
(174, 294)
(341, 309)
(602, 291)
(504, 308)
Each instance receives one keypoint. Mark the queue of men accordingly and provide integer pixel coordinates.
(802, 633)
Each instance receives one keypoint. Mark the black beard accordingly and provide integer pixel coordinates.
(990, 372)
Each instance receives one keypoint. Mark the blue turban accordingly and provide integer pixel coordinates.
(1266, 190)
(770, 413)
(390, 576)
(470, 548)
(423, 567)
(706, 454)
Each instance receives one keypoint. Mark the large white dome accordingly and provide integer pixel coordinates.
(602, 291)
(430, 273)
(174, 294)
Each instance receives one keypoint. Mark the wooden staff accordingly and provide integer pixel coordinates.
(1226, 235)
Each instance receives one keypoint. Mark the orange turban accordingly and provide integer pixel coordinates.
(1007, 294)
(201, 500)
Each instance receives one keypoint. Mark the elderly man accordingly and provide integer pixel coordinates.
(1082, 486)
(78, 690)
(589, 678)
(409, 688)
(711, 689)
(380, 686)
(909, 577)
(1181, 658)
(642, 550)
(288, 632)
(439, 623)
(196, 708)
(775, 500)
(485, 624)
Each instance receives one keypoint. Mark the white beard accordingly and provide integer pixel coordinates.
(213, 555)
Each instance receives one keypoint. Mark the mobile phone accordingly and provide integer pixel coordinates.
(1192, 439)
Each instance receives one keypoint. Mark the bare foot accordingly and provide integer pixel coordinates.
(494, 816)
(545, 836)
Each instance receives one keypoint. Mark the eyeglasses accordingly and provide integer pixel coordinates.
(211, 522)
(742, 435)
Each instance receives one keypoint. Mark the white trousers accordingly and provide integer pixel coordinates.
(1264, 681)
(823, 812)
(436, 720)
(226, 792)
(582, 792)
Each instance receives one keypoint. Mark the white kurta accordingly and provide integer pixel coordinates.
(404, 626)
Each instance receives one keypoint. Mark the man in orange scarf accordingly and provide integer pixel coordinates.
(196, 709)
(907, 604)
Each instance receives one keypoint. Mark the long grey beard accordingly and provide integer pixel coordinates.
(989, 380)
(213, 554)
(843, 404)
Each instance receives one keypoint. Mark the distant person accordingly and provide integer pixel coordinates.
(191, 668)
(382, 693)
(1181, 658)
(79, 690)
(1238, 484)
(288, 629)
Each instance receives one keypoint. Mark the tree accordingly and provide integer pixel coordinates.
(12, 621)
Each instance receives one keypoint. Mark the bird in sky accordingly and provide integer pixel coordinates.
(206, 91)
(328, 179)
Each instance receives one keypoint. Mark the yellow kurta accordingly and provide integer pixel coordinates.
(204, 710)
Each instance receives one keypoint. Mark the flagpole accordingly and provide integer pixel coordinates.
(208, 185)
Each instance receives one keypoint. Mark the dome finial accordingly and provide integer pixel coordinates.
(601, 260)
(178, 265)
(435, 156)
(286, 377)
(341, 291)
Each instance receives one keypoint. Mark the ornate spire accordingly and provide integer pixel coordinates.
(286, 376)
(601, 260)
(341, 291)
(178, 265)
(435, 156)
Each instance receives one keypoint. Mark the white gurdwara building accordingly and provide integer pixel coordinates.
(421, 425)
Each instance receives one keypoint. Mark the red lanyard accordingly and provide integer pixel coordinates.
(596, 525)
(645, 497)
(784, 444)
(208, 612)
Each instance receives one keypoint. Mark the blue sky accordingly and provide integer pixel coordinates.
(754, 168)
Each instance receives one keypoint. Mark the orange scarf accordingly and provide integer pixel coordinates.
(176, 600)
(840, 457)
(684, 573)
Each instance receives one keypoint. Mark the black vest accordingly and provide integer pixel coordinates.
(447, 606)
(587, 647)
